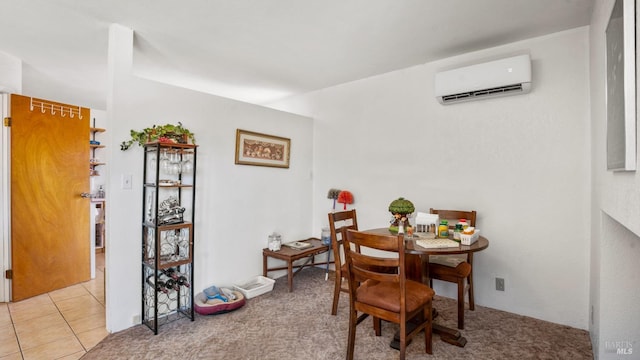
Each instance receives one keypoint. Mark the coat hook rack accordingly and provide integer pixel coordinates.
(53, 108)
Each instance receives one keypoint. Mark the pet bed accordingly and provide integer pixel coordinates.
(205, 306)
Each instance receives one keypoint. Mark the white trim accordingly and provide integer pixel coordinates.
(5, 200)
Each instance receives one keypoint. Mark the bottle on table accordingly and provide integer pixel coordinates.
(443, 229)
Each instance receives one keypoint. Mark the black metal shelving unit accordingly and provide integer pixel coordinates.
(169, 184)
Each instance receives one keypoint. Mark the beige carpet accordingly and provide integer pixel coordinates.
(281, 325)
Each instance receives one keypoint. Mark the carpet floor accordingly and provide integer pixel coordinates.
(298, 325)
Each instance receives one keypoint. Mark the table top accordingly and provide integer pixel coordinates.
(287, 252)
(412, 248)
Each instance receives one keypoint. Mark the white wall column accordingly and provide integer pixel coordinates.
(10, 82)
(5, 201)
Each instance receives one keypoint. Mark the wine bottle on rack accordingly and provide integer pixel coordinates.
(183, 281)
(170, 273)
(172, 284)
(160, 285)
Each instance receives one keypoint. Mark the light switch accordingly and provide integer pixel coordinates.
(126, 181)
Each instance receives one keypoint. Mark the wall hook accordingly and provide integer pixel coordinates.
(62, 112)
(79, 113)
(42, 108)
(52, 110)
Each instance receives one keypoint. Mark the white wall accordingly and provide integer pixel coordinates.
(10, 74)
(615, 216)
(236, 206)
(522, 162)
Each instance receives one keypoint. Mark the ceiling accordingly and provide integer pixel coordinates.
(259, 51)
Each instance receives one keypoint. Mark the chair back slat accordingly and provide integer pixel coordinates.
(366, 267)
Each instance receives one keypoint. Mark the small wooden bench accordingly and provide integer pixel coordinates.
(289, 255)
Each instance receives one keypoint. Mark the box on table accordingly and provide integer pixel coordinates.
(469, 239)
(255, 286)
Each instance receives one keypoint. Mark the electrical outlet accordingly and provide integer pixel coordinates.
(499, 284)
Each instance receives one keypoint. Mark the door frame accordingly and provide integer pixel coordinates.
(5, 200)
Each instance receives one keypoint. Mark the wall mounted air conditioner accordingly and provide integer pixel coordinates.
(504, 77)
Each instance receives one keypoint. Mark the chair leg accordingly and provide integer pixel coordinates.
(472, 304)
(377, 325)
(428, 348)
(352, 334)
(403, 340)
(336, 293)
(461, 304)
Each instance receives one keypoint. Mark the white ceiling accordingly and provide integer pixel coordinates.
(259, 50)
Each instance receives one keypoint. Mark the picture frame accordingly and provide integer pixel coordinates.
(621, 87)
(258, 149)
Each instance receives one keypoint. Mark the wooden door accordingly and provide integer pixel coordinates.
(50, 246)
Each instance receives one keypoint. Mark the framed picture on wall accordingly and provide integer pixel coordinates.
(621, 86)
(253, 148)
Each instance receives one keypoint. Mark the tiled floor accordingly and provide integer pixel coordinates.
(63, 324)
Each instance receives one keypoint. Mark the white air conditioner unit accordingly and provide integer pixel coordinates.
(510, 76)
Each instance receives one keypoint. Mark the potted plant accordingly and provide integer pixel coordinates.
(400, 209)
(167, 133)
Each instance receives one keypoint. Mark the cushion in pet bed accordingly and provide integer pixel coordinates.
(204, 306)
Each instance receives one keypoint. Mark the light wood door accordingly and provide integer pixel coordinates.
(50, 246)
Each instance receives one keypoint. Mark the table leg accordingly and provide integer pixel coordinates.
(290, 274)
(448, 335)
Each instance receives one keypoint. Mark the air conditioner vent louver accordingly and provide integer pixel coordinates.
(485, 92)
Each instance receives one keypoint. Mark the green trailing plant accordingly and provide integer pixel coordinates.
(168, 133)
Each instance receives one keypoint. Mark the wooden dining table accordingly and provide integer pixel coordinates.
(417, 268)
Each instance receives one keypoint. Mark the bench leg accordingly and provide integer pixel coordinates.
(264, 265)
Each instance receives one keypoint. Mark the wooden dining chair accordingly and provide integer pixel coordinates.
(455, 268)
(337, 221)
(378, 286)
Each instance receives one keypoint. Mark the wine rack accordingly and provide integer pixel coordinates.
(168, 233)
